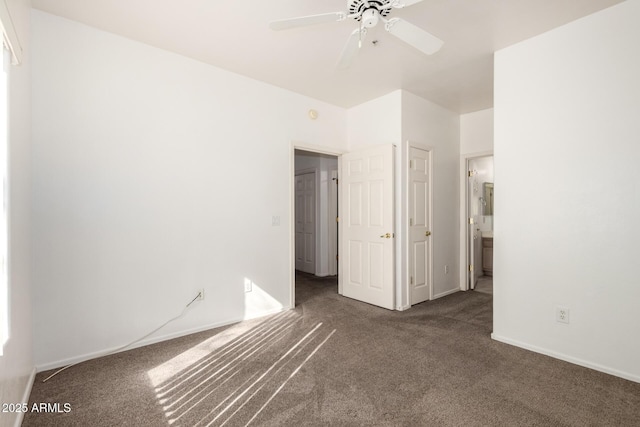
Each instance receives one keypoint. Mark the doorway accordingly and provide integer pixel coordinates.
(366, 234)
(315, 214)
(479, 211)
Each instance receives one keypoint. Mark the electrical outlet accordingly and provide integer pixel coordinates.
(446, 269)
(562, 314)
(200, 294)
(248, 285)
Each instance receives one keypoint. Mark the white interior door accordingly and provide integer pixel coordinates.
(333, 225)
(367, 206)
(305, 211)
(472, 234)
(419, 226)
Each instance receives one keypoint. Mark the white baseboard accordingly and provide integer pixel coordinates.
(25, 396)
(149, 341)
(445, 293)
(570, 359)
(440, 295)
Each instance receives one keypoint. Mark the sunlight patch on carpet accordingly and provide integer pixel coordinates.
(235, 375)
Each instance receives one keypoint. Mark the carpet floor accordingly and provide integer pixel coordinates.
(339, 362)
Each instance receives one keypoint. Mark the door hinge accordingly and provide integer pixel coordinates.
(411, 280)
(336, 257)
(410, 221)
(410, 163)
(337, 219)
(470, 267)
(471, 221)
(471, 173)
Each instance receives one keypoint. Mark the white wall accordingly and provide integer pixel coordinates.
(374, 123)
(427, 125)
(154, 176)
(16, 362)
(401, 118)
(476, 132)
(566, 152)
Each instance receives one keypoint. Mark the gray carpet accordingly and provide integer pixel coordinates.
(335, 361)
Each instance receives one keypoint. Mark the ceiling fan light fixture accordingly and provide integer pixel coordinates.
(370, 18)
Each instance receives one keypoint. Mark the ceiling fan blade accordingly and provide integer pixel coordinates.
(351, 48)
(414, 36)
(303, 21)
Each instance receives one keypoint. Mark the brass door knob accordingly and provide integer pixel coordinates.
(427, 233)
(386, 236)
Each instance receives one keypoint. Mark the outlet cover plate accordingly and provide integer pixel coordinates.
(562, 314)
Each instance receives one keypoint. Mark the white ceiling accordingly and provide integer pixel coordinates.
(234, 35)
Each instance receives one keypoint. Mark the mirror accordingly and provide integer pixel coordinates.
(488, 198)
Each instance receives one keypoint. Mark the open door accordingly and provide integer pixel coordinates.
(419, 226)
(367, 206)
(472, 233)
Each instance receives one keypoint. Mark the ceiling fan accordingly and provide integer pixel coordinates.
(368, 13)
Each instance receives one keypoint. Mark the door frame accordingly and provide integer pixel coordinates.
(464, 215)
(297, 145)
